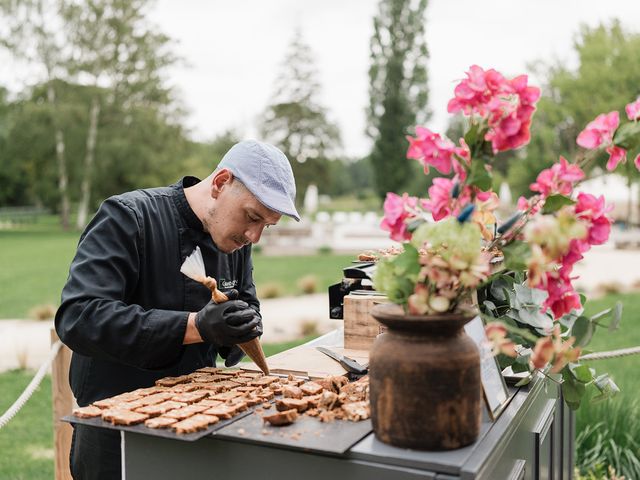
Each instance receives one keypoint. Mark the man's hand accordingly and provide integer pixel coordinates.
(228, 323)
(232, 355)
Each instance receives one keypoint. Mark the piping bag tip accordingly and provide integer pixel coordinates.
(254, 351)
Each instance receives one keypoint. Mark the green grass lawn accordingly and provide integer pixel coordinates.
(35, 264)
(26, 442)
(34, 269)
(623, 370)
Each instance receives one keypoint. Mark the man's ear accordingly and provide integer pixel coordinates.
(220, 179)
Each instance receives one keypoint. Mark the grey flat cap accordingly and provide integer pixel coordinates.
(266, 173)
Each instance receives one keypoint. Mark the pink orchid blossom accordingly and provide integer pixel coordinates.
(599, 131)
(560, 178)
(633, 110)
(397, 209)
(431, 150)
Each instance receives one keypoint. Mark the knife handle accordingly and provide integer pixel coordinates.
(350, 365)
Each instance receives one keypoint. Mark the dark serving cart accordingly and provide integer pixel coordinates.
(531, 439)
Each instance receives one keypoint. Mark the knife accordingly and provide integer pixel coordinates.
(349, 364)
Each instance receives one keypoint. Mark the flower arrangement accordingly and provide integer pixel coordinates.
(517, 272)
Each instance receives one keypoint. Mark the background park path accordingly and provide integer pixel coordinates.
(27, 343)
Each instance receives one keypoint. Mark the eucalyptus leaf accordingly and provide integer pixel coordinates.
(601, 314)
(616, 317)
(523, 295)
(582, 373)
(497, 289)
(533, 317)
(583, 331)
(572, 389)
(525, 381)
(606, 386)
(490, 306)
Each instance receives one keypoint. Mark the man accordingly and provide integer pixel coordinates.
(127, 312)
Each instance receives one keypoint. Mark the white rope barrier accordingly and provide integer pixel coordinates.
(623, 352)
(31, 388)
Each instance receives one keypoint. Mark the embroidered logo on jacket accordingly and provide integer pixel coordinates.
(227, 284)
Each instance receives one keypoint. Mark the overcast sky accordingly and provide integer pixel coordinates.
(233, 51)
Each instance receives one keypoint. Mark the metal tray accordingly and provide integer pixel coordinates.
(157, 432)
(306, 433)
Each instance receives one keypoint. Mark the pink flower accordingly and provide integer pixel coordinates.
(594, 211)
(560, 178)
(616, 155)
(542, 352)
(633, 110)
(532, 203)
(562, 297)
(430, 149)
(397, 210)
(440, 200)
(497, 334)
(599, 131)
(510, 120)
(636, 162)
(478, 93)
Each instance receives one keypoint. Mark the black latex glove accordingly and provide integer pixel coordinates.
(232, 355)
(228, 323)
(231, 294)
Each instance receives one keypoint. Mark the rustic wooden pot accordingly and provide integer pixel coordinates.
(425, 388)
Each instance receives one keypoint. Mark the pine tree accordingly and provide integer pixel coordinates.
(296, 122)
(398, 89)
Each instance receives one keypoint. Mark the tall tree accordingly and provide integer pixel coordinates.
(296, 122)
(121, 56)
(32, 31)
(398, 90)
(606, 79)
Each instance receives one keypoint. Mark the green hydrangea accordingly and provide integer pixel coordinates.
(397, 276)
(450, 237)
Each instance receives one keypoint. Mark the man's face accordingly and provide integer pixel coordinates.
(237, 218)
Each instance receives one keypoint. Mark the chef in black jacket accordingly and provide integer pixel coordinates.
(131, 317)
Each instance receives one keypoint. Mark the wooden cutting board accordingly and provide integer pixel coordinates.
(307, 361)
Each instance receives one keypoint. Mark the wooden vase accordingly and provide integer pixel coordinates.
(425, 380)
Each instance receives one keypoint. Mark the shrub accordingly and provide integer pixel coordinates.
(43, 312)
(325, 250)
(609, 288)
(309, 328)
(308, 284)
(270, 290)
(614, 441)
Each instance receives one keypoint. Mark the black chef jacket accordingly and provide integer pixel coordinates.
(125, 305)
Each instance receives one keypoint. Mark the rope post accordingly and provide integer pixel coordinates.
(62, 402)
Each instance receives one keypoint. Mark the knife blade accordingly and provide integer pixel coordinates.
(349, 364)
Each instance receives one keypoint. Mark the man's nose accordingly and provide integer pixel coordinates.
(254, 233)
